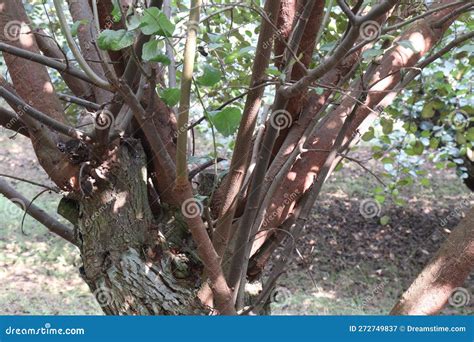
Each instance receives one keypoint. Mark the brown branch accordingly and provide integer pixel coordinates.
(184, 102)
(50, 48)
(238, 268)
(58, 126)
(37, 213)
(338, 54)
(11, 121)
(238, 166)
(50, 62)
(205, 250)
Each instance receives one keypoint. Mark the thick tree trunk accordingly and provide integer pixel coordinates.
(443, 276)
(126, 262)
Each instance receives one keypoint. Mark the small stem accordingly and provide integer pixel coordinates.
(75, 50)
(186, 82)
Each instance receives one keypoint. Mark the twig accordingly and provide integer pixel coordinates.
(43, 118)
(49, 222)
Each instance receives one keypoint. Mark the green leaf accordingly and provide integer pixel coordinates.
(115, 40)
(434, 143)
(418, 148)
(227, 120)
(369, 135)
(428, 111)
(470, 134)
(116, 13)
(76, 25)
(155, 22)
(384, 220)
(152, 52)
(387, 125)
(210, 76)
(170, 96)
(425, 182)
(133, 22)
(380, 198)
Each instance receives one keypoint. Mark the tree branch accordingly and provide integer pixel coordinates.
(49, 222)
(58, 126)
(75, 50)
(50, 62)
(186, 82)
(238, 166)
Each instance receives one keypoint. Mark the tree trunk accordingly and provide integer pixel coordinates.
(126, 261)
(443, 276)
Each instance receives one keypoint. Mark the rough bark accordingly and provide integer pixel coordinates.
(126, 263)
(446, 272)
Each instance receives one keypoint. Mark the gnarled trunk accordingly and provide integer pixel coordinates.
(126, 260)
